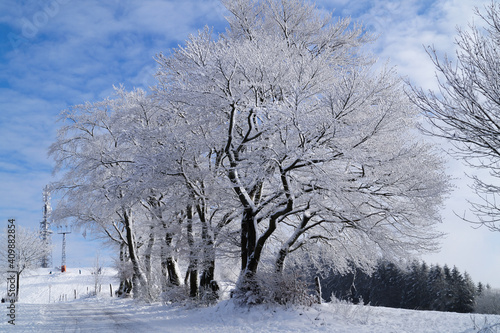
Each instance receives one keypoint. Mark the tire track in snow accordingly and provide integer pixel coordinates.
(77, 317)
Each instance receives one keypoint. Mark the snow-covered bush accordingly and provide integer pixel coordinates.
(289, 288)
(176, 295)
(351, 312)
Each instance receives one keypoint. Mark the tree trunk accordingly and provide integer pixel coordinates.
(125, 284)
(317, 282)
(285, 248)
(192, 271)
(207, 280)
(171, 263)
(139, 282)
(148, 254)
(249, 259)
(173, 271)
(169, 268)
(164, 270)
(208, 285)
(280, 261)
(17, 285)
(248, 239)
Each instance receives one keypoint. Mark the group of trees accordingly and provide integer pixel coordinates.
(275, 139)
(417, 286)
(28, 250)
(279, 142)
(487, 300)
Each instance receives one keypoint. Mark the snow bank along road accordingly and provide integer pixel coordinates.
(106, 315)
(47, 304)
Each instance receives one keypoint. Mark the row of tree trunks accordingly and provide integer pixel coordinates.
(137, 284)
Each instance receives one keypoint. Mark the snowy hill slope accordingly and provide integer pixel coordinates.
(45, 284)
(104, 313)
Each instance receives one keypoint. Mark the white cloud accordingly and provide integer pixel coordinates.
(75, 54)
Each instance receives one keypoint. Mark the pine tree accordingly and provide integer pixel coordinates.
(424, 302)
(415, 286)
(336, 285)
(449, 289)
(479, 289)
(465, 295)
(387, 285)
(436, 285)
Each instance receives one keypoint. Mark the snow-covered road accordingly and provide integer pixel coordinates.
(103, 316)
(77, 317)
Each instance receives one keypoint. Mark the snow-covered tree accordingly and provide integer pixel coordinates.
(415, 287)
(30, 249)
(387, 285)
(436, 288)
(488, 302)
(96, 153)
(466, 109)
(277, 137)
(317, 145)
(128, 174)
(466, 293)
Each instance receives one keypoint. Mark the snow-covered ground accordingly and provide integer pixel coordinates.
(86, 313)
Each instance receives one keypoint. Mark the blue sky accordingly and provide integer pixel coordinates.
(57, 53)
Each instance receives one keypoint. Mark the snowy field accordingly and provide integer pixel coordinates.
(87, 313)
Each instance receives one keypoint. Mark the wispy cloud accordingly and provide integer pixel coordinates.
(405, 28)
(60, 52)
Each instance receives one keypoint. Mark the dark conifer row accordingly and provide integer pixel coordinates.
(417, 287)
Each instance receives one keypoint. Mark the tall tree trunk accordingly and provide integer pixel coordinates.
(317, 283)
(148, 254)
(246, 281)
(169, 269)
(18, 277)
(208, 285)
(169, 264)
(192, 271)
(164, 271)
(285, 248)
(254, 246)
(139, 282)
(125, 286)
(248, 235)
(280, 260)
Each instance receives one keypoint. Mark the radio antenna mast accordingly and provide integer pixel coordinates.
(45, 232)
